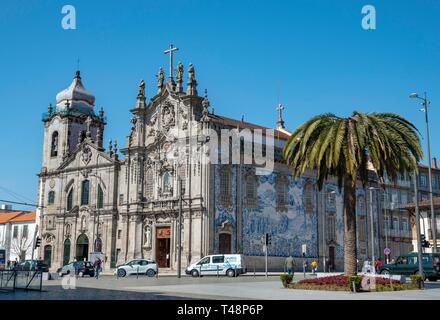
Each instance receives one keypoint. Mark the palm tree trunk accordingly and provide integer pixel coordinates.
(350, 250)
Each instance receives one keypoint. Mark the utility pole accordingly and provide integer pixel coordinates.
(419, 238)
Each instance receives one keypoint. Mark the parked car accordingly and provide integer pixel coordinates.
(408, 264)
(32, 265)
(80, 268)
(137, 266)
(223, 264)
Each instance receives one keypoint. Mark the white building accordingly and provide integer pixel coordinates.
(16, 234)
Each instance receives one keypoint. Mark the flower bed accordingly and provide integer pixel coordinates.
(357, 283)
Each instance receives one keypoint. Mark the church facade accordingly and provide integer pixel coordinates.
(125, 203)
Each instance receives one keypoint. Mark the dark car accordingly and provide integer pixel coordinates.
(79, 268)
(408, 264)
(33, 265)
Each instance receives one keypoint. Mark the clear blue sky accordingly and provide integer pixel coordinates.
(315, 52)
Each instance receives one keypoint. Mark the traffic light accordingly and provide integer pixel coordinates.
(268, 239)
(37, 242)
(424, 242)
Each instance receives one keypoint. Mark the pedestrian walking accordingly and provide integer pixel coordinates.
(290, 264)
(97, 266)
(314, 265)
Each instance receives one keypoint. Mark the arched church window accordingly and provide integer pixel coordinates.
(51, 197)
(100, 197)
(225, 186)
(69, 202)
(251, 191)
(308, 198)
(166, 182)
(85, 186)
(54, 145)
(281, 192)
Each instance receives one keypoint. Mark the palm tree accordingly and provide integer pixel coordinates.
(348, 148)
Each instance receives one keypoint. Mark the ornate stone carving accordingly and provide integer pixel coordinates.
(160, 78)
(86, 154)
(168, 115)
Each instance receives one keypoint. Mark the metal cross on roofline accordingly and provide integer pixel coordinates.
(170, 52)
(280, 109)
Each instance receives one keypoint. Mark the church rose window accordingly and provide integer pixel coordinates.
(85, 192)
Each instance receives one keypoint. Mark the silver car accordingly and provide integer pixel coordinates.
(137, 266)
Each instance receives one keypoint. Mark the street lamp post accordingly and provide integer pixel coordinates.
(419, 238)
(372, 230)
(425, 104)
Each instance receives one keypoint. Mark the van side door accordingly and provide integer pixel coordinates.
(218, 264)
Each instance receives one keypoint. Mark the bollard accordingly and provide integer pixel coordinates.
(157, 273)
(137, 273)
(235, 271)
(217, 271)
(200, 273)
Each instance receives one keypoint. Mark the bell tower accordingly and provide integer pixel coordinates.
(70, 122)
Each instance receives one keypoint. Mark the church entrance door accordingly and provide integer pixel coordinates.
(163, 241)
(331, 257)
(82, 248)
(224, 243)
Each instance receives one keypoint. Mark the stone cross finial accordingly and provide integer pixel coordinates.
(170, 52)
(280, 122)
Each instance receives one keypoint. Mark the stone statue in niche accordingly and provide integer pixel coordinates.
(98, 245)
(147, 236)
(83, 223)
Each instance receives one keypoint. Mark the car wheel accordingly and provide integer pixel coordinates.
(80, 274)
(230, 273)
(433, 279)
(122, 273)
(195, 273)
(385, 272)
(151, 273)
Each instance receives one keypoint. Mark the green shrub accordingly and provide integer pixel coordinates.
(286, 279)
(356, 280)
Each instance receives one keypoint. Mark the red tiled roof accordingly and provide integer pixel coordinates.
(426, 167)
(17, 216)
(245, 125)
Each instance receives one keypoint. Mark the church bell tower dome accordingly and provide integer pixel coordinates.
(75, 98)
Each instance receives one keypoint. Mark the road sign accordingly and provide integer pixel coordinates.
(387, 251)
(304, 249)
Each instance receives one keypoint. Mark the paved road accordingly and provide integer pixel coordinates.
(144, 288)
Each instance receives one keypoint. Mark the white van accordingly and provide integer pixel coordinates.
(223, 264)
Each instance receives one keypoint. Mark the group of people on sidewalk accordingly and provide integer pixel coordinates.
(290, 264)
